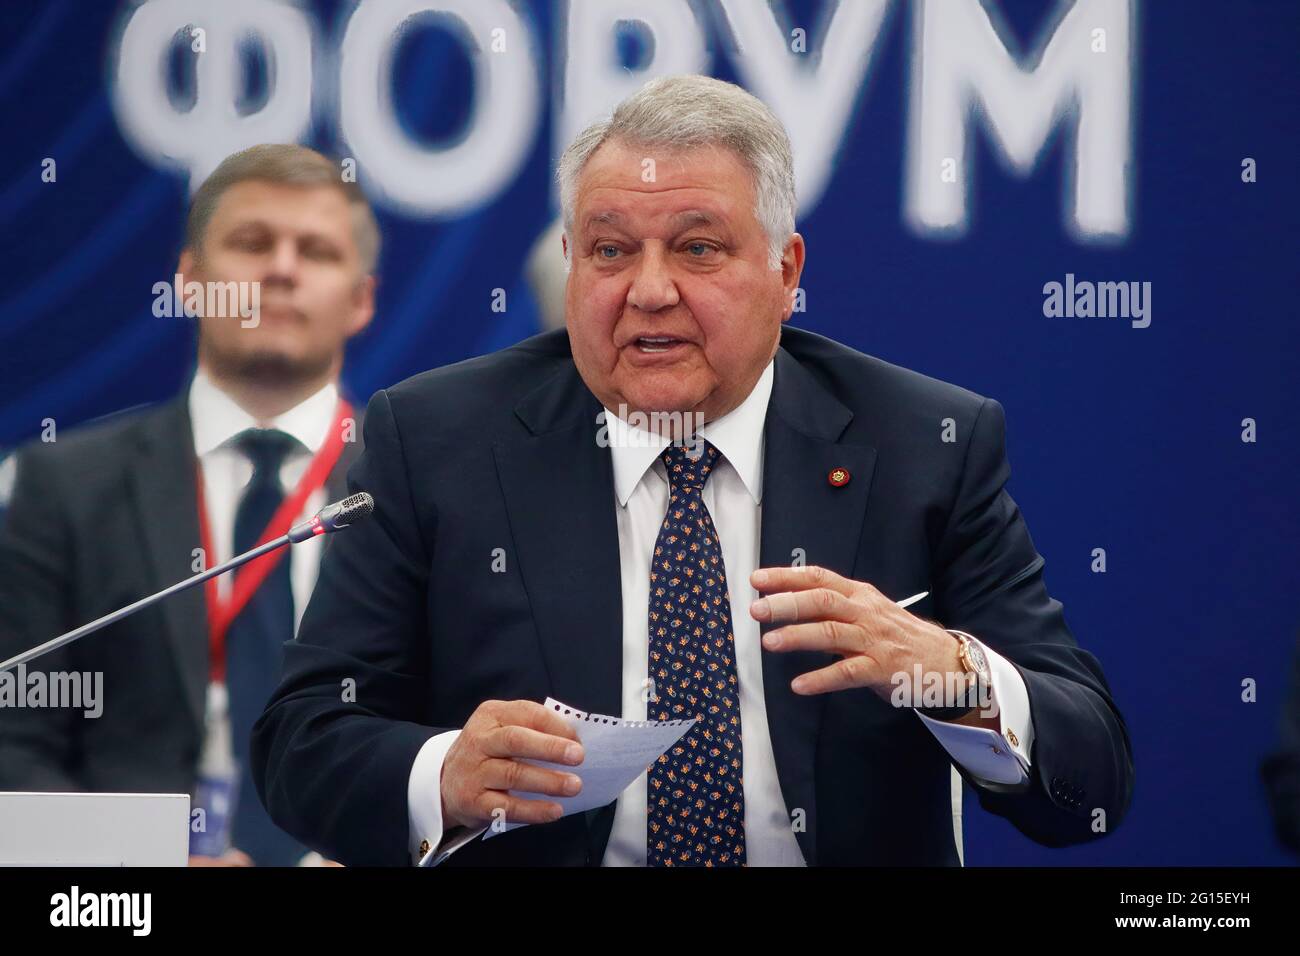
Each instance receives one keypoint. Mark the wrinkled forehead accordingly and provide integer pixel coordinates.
(629, 187)
(667, 214)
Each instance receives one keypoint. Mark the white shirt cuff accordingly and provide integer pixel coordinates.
(424, 804)
(997, 758)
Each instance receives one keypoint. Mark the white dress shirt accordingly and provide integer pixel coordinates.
(216, 419)
(733, 496)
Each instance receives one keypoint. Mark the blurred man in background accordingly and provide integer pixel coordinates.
(261, 439)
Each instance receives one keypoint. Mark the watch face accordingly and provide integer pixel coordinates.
(977, 659)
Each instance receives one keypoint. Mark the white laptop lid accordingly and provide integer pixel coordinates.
(94, 829)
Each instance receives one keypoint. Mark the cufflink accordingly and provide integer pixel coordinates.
(1012, 738)
(424, 848)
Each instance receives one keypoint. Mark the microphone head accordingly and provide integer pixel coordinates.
(334, 517)
(352, 509)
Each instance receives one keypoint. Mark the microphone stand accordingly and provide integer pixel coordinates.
(55, 643)
(331, 518)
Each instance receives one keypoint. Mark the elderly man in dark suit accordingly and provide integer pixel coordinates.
(679, 507)
(106, 514)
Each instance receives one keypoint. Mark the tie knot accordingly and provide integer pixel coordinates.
(266, 448)
(689, 464)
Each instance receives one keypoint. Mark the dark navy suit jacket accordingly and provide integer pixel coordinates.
(99, 519)
(500, 452)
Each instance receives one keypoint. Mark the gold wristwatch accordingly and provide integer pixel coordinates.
(973, 660)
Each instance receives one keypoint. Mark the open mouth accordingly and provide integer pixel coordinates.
(653, 344)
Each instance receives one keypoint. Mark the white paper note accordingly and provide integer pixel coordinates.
(615, 753)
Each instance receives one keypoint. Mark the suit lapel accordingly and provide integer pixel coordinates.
(164, 480)
(805, 517)
(559, 492)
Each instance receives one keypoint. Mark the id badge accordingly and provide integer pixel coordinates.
(215, 797)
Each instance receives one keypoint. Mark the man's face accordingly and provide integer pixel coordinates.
(671, 305)
(298, 243)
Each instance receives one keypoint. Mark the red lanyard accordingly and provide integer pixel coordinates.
(249, 577)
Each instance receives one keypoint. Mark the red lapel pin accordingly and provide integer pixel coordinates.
(839, 477)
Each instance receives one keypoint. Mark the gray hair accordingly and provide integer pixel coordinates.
(286, 164)
(682, 112)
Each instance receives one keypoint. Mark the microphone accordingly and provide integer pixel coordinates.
(331, 518)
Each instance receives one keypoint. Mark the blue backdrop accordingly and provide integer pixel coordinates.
(1122, 438)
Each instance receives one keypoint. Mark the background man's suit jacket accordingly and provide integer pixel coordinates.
(500, 452)
(99, 519)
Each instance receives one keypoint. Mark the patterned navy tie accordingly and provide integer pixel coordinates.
(695, 792)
